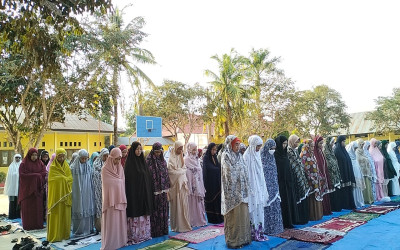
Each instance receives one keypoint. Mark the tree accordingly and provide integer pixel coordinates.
(113, 49)
(322, 111)
(179, 105)
(230, 94)
(386, 117)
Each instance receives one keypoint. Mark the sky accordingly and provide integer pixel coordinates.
(351, 46)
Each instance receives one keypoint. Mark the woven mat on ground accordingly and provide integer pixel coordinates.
(170, 244)
(40, 233)
(377, 209)
(200, 235)
(294, 245)
(338, 224)
(79, 242)
(309, 236)
(359, 216)
(391, 204)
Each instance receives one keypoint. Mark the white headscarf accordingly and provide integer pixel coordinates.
(393, 157)
(12, 180)
(252, 159)
(351, 149)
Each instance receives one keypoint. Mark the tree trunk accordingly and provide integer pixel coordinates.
(115, 135)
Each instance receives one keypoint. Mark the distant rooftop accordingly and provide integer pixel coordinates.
(359, 124)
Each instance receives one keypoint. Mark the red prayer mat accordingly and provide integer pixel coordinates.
(377, 209)
(200, 235)
(341, 225)
(302, 235)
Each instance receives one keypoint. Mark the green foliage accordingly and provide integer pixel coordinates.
(386, 117)
(2, 177)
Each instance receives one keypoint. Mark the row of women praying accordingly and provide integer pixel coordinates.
(130, 198)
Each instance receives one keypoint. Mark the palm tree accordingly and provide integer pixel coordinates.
(229, 92)
(114, 49)
(257, 67)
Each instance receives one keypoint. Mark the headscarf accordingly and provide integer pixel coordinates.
(60, 183)
(315, 179)
(322, 164)
(168, 153)
(344, 162)
(175, 161)
(110, 148)
(351, 149)
(53, 156)
(12, 180)
(211, 175)
(378, 160)
(297, 170)
(285, 176)
(82, 199)
(138, 184)
(32, 176)
(299, 148)
(396, 165)
(235, 183)
(158, 169)
(390, 172)
(220, 150)
(241, 146)
(93, 157)
(194, 172)
(96, 181)
(367, 144)
(397, 151)
(331, 161)
(73, 158)
(43, 153)
(123, 159)
(113, 183)
(270, 171)
(259, 195)
(363, 160)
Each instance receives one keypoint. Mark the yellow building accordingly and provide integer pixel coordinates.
(362, 128)
(75, 133)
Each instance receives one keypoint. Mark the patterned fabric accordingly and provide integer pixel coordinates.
(340, 225)
(367, 144)
(377, 209)
(167, 245)
(300, 245)
(333, 167)
(235, 183)
(359, 216)
(297, 167)
(272, 213)
(96, 181)
(200, 235)
(315, 179)
(138, 229)
(363, 160)
(309, 236)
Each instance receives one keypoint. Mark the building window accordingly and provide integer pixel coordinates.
(74, 143)
(95, 144)
(5, 144)
(66, 144)
(79, 144)
(61, 143)
(100, 144)
(10, 144)
(43, 144)
(70, 143)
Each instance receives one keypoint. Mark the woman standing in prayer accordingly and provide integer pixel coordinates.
(259, 197)
(395, 180)
(273, 224)
(124, 151)
(302, 187)
(32, 180)
(366, 147)
(96, 183)
(378, 162)
(73, 158)
(287, 186)
(242, 148)
(346, 197)
(360, 185)
(44, 157)
(334, 174)
(83, 198)
(11, 187)
(93, 157)
(365, 167)
(113, 221)
(235, 189)
(139, 195)
(179, 191)
(397, 151)
(59, 198)
(323, 168)
(194, 175)
(159, 172)
(315, 180)
(212, 184)
(390, 172)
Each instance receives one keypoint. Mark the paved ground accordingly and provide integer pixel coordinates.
(3, 204)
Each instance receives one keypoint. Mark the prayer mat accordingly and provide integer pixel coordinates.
(302, 235)
(390, 204)
(167, 245)
(377, 209)
(359, 216)
(294, 245)
(396, 199)
(40, 233)
(339, 224)
(79, 242)
(200, 235)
